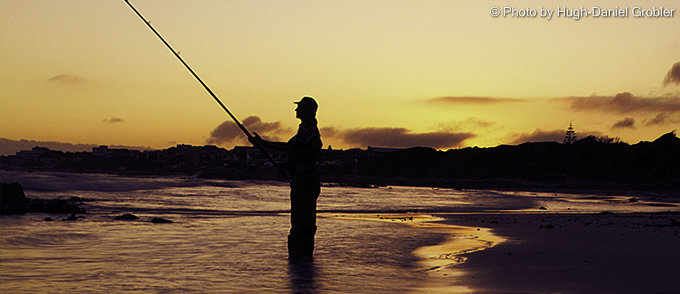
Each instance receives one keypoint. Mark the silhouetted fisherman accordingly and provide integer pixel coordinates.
(303, 153)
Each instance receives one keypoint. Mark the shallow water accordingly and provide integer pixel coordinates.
(230, 236)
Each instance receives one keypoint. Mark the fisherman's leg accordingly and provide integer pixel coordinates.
(303, 221)
(303, 228)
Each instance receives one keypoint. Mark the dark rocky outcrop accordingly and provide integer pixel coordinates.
(126, 216)
(54, 206)
(160, 220)
(14, 201)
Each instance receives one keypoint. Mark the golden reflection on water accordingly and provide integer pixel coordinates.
(437, 260)
(231, 238)
(200, 254)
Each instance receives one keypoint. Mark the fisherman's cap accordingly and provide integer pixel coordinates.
(307, 102)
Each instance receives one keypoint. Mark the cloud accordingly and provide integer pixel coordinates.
(627, 122)
(473, 100)
(673, 75)
(476, 122)
(624, 103)
(396, 137)
(539, 135)
(472, 124)
(113, 120)
(662, 118)
(229, 133)
(659, 119)
(67, 79)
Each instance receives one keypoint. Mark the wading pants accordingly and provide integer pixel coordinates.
(303, 195)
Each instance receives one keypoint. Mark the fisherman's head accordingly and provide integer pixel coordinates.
(306, 108)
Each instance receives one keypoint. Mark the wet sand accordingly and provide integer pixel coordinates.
(437, 260)
(540, 252)
(572, 253)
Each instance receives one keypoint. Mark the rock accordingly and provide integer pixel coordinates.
(542, 208)
(72, 217)
(80, 199)
(159, 220)
(127, 216)
(633, 200)
(54, 206)
(12, 199)
(49, 219)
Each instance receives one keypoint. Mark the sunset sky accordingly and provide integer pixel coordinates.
(390, 73)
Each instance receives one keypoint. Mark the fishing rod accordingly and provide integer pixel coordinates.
(238, 123)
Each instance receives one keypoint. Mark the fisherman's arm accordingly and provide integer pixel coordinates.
(257, 140)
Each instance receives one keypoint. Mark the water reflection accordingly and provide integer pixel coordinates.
(302, 276)
(232, 240)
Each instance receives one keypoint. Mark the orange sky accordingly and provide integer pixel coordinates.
(385, 73)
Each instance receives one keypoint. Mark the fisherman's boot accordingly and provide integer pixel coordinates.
(308, 247)
(300, 248)
(294, 248)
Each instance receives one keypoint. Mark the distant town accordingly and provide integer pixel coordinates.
(599, 163)
(201, 161)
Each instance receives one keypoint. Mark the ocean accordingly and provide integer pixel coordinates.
(230, 236)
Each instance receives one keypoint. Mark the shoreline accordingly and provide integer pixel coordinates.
(511, 184)
(652, 191)
(541, 252)
(438, 261)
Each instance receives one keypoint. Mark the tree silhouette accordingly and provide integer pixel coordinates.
(570, 136)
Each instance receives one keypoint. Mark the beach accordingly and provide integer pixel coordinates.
(574, 253)
(539, 252)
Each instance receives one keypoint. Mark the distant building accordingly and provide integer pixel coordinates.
(252, 156)
(34, 153)
(102, 150)
(36, 157)
(382, 149)
(376, 151)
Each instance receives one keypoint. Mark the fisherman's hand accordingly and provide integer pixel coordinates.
(255, 140)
